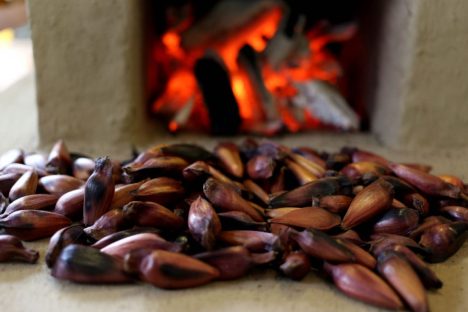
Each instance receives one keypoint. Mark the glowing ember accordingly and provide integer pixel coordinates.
(182, 101)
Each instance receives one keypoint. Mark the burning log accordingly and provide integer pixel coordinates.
(227, 18)
(286, 41)
(219, 99)
(324, 101)
(248, 60)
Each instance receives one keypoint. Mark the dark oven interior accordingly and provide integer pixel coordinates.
(259, 67)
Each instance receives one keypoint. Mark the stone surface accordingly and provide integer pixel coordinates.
(436, 106)
(89, 70)
(391, 32)
(419, 81)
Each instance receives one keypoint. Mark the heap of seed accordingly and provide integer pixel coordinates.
(179, 216)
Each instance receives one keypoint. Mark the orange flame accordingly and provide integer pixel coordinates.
(179, 89)
(171, 41)
(182, 85)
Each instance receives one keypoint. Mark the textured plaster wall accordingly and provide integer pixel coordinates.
(392, 41)
(436, 106)
(421, 79)
(89, 71)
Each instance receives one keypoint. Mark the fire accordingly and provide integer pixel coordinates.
(256, 34)
(182, 87)
(173, 126)
(171, 41)
(239, 88)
